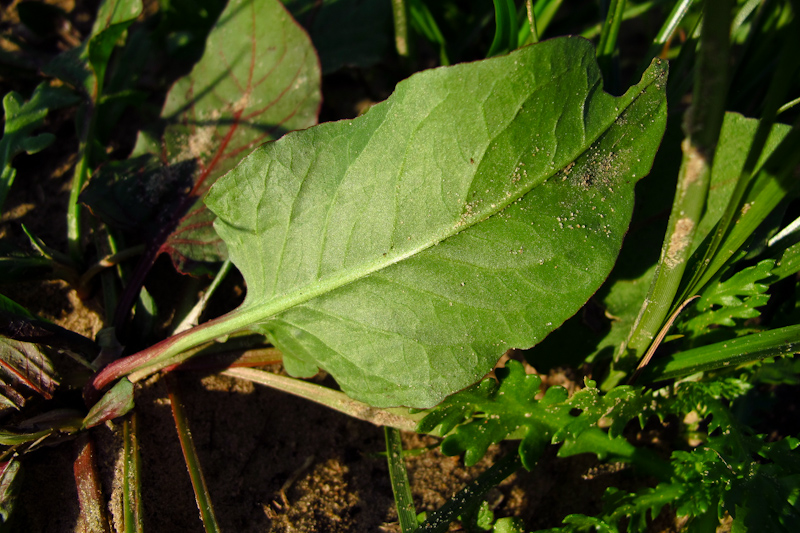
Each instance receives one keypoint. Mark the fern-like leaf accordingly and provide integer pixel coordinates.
(491, 411)
(738, 297)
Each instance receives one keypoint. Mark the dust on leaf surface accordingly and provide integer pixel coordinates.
(473, 211)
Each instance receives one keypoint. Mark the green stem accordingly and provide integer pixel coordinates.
(398, 418)
(702, 125)
(631, 12)
(675, 17)
(788, 105)
(193, 317)
(672, 22)
(79, 178)
(401, 488)
(237, 320)
(532, 21)
(108, 279)
(190, 456)
(607, 52)
(110, 260)
(728, 354)
(400, 16)
(131, 475)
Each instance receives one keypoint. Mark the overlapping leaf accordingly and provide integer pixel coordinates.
(473, 211)
(24, 363)
(258, 78)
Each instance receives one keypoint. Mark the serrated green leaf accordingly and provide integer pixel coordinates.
(743, 283)
(579, 522)
(788, 261)
(406, 250)
(598, 442)
(738, 297)
(491, 411)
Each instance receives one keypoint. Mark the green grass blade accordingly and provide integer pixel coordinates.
(610, 32)
(631, 12)
(726, 354)
(757, 42)
(471, 495)
(703, 124)
(668, 28)
(505, 36)
(730, 234)
(738, 21)
(401, 488)
(424, 23)
(672, 22)
(201, 493)
(607, 52)
(132, 512)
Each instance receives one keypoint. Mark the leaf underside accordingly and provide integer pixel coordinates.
(473, 211)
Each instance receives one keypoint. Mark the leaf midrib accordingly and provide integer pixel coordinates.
(252, 313)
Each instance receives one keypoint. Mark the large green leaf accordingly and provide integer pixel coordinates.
(473, 211)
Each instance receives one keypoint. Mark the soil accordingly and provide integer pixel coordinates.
(272, 462)
(275, 463)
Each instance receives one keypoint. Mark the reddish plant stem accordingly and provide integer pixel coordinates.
(90, 492)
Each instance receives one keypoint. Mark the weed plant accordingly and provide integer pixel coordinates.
(609, 188)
